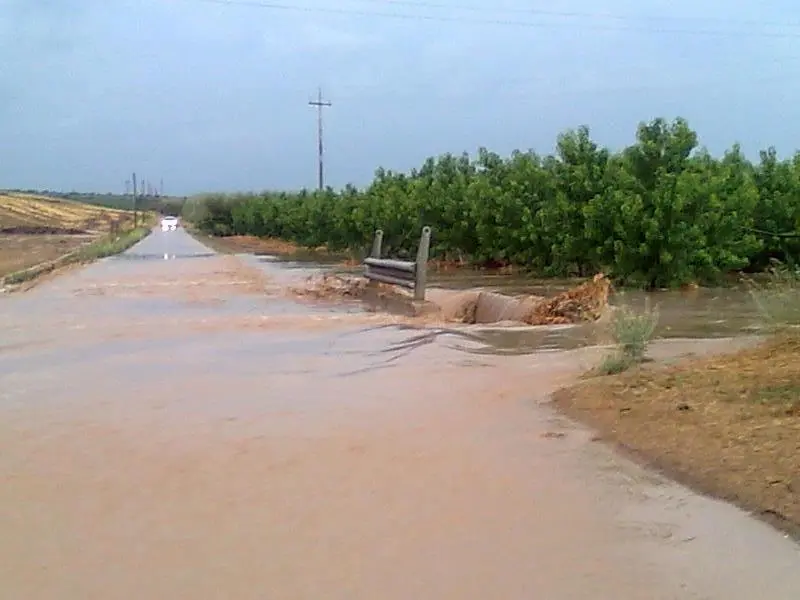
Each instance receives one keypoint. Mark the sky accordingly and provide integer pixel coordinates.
(212, 95)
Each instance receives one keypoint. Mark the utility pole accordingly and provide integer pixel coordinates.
(135, 214)
(320, 104)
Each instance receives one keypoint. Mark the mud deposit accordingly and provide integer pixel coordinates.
(178, 428)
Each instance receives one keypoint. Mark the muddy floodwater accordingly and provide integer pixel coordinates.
(694, 313)
(172, 425)
(691, 314)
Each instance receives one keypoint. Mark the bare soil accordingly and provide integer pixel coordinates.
(21, 251)
(727, 425)
(255, 245)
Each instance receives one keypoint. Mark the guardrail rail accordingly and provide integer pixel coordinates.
(407, 274)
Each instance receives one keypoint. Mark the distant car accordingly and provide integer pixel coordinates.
(169, 223)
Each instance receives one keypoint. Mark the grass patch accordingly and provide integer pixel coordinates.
(778, 300)
(101, 248)
(632, 332)
(112, 245)
(785, 394)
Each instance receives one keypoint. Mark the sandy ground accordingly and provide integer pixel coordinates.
(178, 429)
(728, 424)
(18, 252)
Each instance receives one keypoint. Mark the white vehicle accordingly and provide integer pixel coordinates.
(169, 223)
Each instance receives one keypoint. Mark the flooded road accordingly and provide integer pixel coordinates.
(175, 428)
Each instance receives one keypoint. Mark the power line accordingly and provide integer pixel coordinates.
(135, 212)
(580, 14)
(499, 22)
(319, 103)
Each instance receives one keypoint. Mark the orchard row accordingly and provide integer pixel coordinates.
(659, 213)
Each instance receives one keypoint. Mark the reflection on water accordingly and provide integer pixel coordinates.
(527, 340)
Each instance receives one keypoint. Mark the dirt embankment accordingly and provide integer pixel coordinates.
(727, 425)
(254, 245)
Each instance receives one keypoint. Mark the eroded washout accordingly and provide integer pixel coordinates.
(189, 429)
(586, 302)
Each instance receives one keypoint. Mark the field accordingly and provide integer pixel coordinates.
(36, 229)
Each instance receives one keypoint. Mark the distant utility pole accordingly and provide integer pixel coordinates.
(319, 103)
(161, 187)
(135, 214)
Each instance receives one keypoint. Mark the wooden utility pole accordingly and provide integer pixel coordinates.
(135, 214)
(319, 103)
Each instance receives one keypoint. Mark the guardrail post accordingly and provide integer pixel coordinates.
(377, 244)
(421, 275)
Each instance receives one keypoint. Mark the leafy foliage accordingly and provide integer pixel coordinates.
(660, 213)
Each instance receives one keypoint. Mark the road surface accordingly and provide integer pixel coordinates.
(174, 428)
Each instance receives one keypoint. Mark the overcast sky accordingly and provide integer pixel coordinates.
(214, 95)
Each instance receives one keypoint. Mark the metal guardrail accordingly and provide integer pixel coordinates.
(411, 275)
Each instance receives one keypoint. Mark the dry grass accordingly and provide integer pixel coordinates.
(27, 211)
(728, 425)
(38, 231)
(778, 299)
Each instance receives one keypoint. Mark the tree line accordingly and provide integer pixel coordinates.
(659, 213)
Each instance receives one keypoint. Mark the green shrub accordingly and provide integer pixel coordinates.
(632, 332)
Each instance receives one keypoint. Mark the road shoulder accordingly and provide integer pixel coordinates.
(727, 425)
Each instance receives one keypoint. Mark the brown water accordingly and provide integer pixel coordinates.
(177, 429)
(695, 314)
(700, 313)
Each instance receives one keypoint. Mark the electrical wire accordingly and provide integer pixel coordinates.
(580, 14)
(278, 6)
